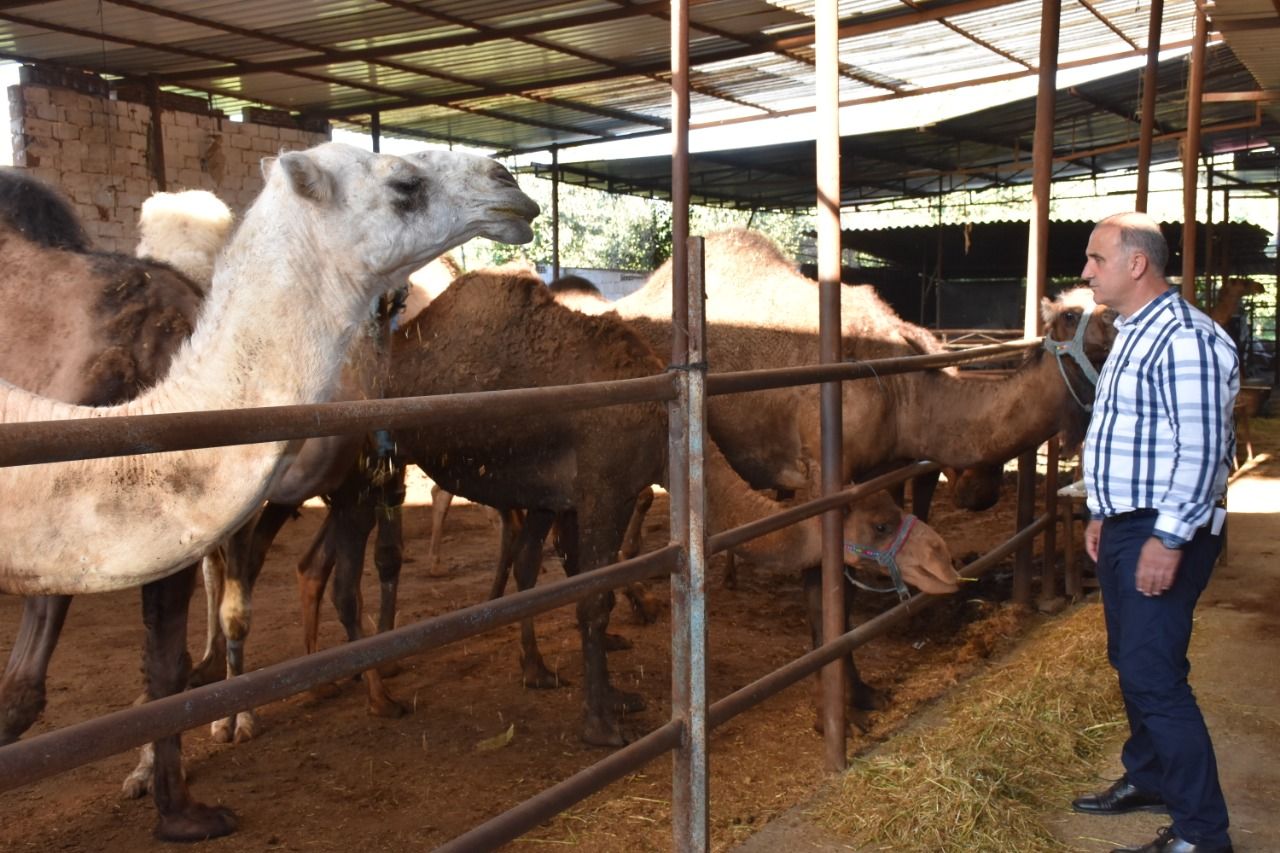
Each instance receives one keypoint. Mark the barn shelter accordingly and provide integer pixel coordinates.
(729, 62)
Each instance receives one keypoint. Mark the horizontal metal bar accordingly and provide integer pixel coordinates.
(759, 380)
(762, 688)
(736, 536)
(87, 438)
(35, 758)
(520, 819)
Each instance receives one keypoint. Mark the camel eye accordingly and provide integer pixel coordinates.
(882, 528)
(407, 186)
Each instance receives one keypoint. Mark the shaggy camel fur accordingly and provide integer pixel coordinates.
(592, 463)
(336, 220)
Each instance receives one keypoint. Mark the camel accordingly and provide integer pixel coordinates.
(1229, 297)
(334, 218)
(756, 321)
(501, 329)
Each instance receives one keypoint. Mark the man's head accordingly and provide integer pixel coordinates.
(1126, 255)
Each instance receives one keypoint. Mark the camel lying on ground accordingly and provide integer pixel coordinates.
(500, 329)
(335, 221)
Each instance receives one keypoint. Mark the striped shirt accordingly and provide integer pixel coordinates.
(1161, 436)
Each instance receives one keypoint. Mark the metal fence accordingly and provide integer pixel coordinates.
(27, 443)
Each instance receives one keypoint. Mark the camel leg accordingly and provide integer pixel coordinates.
(245, 553)
(566, 538)
(213, 665)
(167, 667)
(859, 696)
(388, 555)
(644, 605)
(599, 536)
(440, 502)
(352, 514)
(22, 695)
(512, 521)
(922, 489)
(313, 572)
(528, 563)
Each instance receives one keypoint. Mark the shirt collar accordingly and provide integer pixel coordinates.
(1147, 310)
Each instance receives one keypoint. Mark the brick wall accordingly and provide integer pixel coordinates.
(95, 145)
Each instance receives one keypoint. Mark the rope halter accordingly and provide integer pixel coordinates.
(887, 558)
(1074, 348)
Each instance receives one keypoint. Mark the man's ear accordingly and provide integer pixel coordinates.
(1138, 263)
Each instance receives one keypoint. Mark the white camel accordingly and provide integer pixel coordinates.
(334, 220)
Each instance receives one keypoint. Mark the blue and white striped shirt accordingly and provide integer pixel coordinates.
(1161, 436)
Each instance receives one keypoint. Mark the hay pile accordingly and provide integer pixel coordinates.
(1017, 741)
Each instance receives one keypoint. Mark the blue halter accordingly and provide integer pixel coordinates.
(887, 558)
(1075, 349)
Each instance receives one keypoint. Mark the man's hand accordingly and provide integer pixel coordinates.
(1157, 567)
(1092, 536)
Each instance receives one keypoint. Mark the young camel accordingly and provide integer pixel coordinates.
(591, 464)
(334, 220)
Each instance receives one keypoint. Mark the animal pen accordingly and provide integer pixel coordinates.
(684, 389)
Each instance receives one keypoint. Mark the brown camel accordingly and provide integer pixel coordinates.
(1229, 297)
(771, 437)
(592, 463)
(333, 217)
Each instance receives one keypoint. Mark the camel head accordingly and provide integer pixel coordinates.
(1241, 287)
(1079, 333)
(379, 216)
(872, 530)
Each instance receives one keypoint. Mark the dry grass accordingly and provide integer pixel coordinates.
(1016, 740)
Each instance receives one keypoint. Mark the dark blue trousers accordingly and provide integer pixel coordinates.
(1168, 750)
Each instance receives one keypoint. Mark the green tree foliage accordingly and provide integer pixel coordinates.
(600, 230)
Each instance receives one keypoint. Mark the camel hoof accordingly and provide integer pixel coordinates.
(221, 730)
(437, 570)
(21, 706)
(622, 702)
(541, 678)
(597, 731)
(868, 698)
(644, 607)
(136, 784)
(196, 822)
(247, 727)
(616, 643)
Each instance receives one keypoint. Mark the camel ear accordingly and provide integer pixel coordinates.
(308, 179)
(1046, 310)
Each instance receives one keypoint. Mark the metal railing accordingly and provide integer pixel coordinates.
(28, 443)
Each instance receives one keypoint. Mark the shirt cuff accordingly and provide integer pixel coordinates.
(1169, 527)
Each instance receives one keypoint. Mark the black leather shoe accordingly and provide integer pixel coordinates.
(1167, 842)
(1120, 798)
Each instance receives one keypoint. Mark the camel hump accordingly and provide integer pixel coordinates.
(40, 213)
(185, 230)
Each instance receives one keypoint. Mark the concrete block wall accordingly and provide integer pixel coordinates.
(97, 150)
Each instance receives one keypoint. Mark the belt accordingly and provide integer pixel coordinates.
(1220, 503)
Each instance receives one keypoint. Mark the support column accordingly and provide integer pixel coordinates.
(827, 47)
(375, 131)
(555, 212)
(1149, 84)
(1191, 157)
(1042, 162)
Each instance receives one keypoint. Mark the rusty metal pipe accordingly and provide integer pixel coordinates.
(1149, 84)
(1191, 155)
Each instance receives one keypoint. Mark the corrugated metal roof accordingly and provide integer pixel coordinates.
(528, 74)
(522, 75)
(1096, 130)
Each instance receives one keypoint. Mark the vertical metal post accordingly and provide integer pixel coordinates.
(827, 56)
(1210, 232)
(1042, 164)
(689, 816)
(375, 131)
(157, 136)
(555, 212)
(1191, 156)
(1025, 515)
(1049, 556)
(1149, 85)
(1224, 237)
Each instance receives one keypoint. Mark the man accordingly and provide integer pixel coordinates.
(1155, 463)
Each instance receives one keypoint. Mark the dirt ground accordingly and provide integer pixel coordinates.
(324, 775)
